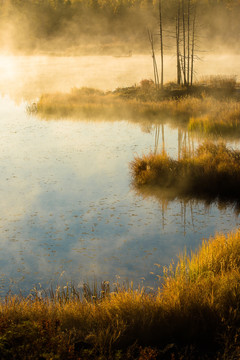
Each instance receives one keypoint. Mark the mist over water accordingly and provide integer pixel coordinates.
(27, 77)
(68, 209)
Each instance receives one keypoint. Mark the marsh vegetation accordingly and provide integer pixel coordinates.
(213, 170)
(69, 210)
(194, 313)
(210, 107)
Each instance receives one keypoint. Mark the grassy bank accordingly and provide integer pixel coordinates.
(194, 314)
(94, 104)
(134, 103)
(212, 108)
(213, 170)
(221, 117)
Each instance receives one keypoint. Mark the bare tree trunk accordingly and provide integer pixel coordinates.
(184, 43)
(155, 69)
(161, 39)
(178, 43)
(188, 51)
(193, 43)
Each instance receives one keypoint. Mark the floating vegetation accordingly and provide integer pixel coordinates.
(213, 170)
(195, 309)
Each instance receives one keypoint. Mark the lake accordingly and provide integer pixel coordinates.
(68, 210)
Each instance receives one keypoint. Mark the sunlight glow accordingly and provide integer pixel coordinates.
(8, 67)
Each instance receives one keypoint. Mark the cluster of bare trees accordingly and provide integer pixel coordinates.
(185, 35)
(185, 40)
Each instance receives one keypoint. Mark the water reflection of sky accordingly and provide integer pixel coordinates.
(67, 204)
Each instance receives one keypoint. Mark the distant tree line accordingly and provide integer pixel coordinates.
(40, 24)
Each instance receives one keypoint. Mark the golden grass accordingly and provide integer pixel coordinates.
(225, 82)
(223, 118)
(131, 102)
(92, 104)
(199, 109)
(196, 308)
(214, 170)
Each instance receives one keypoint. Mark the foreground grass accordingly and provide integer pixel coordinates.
(194, 314)
(212, 108)
(214, 170)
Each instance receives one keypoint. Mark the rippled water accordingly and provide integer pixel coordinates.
(68, 212)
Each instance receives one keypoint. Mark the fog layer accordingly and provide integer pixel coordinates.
(116, 27)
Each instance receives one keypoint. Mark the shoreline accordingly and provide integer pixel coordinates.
(189, 315)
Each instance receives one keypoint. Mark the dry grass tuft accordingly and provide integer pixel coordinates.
(213, 170)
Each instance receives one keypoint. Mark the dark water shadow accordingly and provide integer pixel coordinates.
(164, 196)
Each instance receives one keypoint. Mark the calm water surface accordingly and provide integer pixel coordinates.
(68, 212)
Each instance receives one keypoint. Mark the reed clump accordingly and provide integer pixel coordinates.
(193, 314)
(213, 170)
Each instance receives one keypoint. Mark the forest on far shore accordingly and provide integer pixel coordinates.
(108, 26)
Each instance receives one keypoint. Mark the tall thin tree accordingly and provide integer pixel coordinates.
(184, 42)
(193, 42)
(178, 44)
(161, 38)
(155, 69)
(188, 42)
